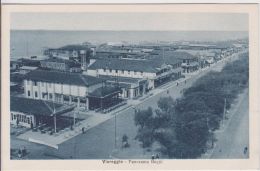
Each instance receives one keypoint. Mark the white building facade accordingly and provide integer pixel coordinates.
(68, 89)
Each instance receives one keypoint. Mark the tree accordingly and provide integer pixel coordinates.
(145, 135)
(143, 117)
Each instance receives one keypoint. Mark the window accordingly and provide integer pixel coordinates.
(28, 93)
(43, 94)
(35, 83)
(116, 71)
(110, 70)
(36, 94)
(104, 69)
(122, 71)
(50, 96)
(12, 116)
(128, 71)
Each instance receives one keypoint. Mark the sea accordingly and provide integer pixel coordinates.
(26, 43)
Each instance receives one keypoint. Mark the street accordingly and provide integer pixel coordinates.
(235, 137)
(99, 141)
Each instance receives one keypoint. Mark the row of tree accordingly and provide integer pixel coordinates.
(185, 126)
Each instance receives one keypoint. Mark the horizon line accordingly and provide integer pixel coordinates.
(132, 30)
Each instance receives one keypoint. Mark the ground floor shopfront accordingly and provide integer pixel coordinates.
(190, 69)
(169, 77)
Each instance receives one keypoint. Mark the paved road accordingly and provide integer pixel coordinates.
(235, 136)
(99, 142)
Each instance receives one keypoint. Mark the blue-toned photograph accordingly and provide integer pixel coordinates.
(129, 86)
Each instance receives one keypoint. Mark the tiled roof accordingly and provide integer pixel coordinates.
(125, 64)
(61, 77)
(37, 107)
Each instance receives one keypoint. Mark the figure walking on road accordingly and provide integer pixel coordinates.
(245, 150)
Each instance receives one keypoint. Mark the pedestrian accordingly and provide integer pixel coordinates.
(153, 157)
(245, 150)
(24, 151)
(83, 130)
(19, 153)
(31, 125)
(17, 121)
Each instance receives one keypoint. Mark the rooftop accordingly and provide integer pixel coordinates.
(61, 77)
(37, 107)
(74, 47)
(125, 64)
(28, 68)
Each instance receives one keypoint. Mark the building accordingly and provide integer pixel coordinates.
(29, 62)
(61, 65)
(189, 62)
(31, 113)
(70, 88)
(131, 88)
(154, 71)
(14, 65)
(80, 53)
(27, 69)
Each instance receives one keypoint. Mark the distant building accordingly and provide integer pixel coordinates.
(14, 65)
(75, 52)
(61, 65)
(27, 69)
(70, 88)
(189, 62)
(29, 62)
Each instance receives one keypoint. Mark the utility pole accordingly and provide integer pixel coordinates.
(115, 130)
(27, 49)
(54, 115)
(55, 129)
(224, 112)
(74, 116)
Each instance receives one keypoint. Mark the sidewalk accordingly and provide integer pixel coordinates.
(223, 127)
(54, 140)
(95, 118)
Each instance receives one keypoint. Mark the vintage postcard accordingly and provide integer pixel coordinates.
(151, 86)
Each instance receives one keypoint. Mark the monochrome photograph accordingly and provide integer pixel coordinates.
(135, 86)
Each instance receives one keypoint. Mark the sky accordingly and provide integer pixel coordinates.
(131, 21)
